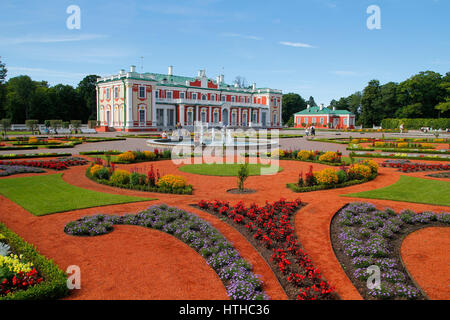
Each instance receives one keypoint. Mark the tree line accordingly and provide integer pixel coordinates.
(424, 95)
(22, 98)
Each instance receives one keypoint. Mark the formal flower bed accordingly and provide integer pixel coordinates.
(330, 178)
(397, 156)
(328, 157)
(24, 273)
(270, 229)
(12, 170)
(135, 180)
(232, 269)
(414, 167)
(354, 147)
(363, 236)
(33, 155)
(58, 164)
(442, 175)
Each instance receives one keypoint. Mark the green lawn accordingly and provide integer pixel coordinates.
(227, 170)
(411, 189)
(42, 195)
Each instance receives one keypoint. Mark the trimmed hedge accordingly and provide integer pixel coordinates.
(375, 155)
(33, 155)
(294, 187)
(441, 123)
(54, 285)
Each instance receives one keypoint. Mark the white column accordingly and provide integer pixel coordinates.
(210, 114)
(165, 119)
(181, 110)
(153, 110)
(129, 106)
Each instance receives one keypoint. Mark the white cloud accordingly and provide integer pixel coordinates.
(296, 44)
(54, 39)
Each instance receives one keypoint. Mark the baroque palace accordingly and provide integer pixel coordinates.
(133, 101)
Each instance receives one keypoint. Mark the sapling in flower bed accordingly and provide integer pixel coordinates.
(363, 236)
(271, 231)
(235, 272)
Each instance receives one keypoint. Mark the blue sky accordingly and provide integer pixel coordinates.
(319, 48)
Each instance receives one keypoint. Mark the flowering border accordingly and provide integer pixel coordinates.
(220, 255)
(363, 236)
(54, 285)
(271, 230)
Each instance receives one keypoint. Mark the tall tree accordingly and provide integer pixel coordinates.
(389, 101)
(292, 103)
(371, 104)
(311, 102)
(87, 92)
(19, 94)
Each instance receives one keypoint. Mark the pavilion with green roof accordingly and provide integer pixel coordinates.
(323, 117)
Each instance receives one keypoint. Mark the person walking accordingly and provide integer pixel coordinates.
(401, 128)
(307, 131)
(313, 131)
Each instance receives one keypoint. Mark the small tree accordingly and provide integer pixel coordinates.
(55, 124)
(242, 175)
(32, 125)
(92, 124)
(5, 126)
(76, 124)
(66, 124)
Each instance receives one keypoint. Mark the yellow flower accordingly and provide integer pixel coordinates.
(172, 182)
(95, 168)
(329, 156)
(126, 156)
(304, 155)
(326, 176)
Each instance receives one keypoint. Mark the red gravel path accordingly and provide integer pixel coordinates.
(312, 225)
(425, 255)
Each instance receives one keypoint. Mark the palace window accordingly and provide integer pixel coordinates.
(204, 97)
(157, 94)
(108, 93)
(233, 99)
(224, 98)
(169, 95)
(216, 116)
(213, 97)
(116, 93)
(142, 92)
(194, 96)
(182, 95)
(345, 121)
(321, 120)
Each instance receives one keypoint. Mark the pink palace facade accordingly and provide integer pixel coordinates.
(133, 101)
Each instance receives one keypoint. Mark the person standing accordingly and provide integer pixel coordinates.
(307, 131)
(401, 128)
(313, 131)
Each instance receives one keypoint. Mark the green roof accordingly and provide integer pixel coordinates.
(316, 110)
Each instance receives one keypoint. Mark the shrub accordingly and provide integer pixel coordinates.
(126, 157)
(137, 179)
(402, 145)
(326, 176)
(371, 164)
(329, 156)
(379, 144)
(103, 174)
(171, 182)
(342, 176)
(120, 177)
(304, 155)
(149, 155)
(359, 172)
(95, 169)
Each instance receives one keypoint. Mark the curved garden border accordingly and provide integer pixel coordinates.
(359, 247)
(270, 230)
(220, 255)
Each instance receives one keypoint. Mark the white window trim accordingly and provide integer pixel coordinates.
(139, 92)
